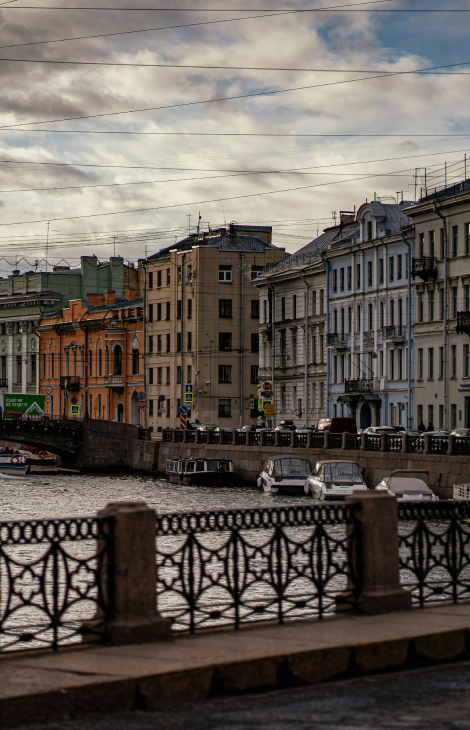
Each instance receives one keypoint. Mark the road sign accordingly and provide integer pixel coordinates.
(161, 398)
(48, 390)
(73, 400)
(267, 385)
(189, 397)
(95, 407)
(183, 410)
(74, 411)
(269, 409)
(65, 394)
(183, 421)
(268, 394)
(188, 388)
(48, 398)
(141, 404)
(265, 403)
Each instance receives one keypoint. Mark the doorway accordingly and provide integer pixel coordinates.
(366, 415)
(120, 412)
(135, 415)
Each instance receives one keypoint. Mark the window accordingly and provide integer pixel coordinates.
(159, 279)
(382, 315)
(441, 363)
(349, 319)
(420, 414)
(283, 308)
(190, 308)
(33, 369)
(159, 311)
(254, 342)
(441, 303)
(399, 266)
(180, 275)
(322, 302)
(150, 279)
(381, 271)
(90, 364)
(151, 343)
(168, 277)
(358, 276)
(421, 307)
(225, 308)
(455, 240)
(431, 363)
(19, 369)
(358, 319)
(467, 297)
(370, 316)
(335, 320)
(225, 341)
(168, 408)
(159, 343)
(392, 365)
(442, 242)
(254, 374)
(349, 277)
(178, 342)
(256, 271)
(168, 306)
(453, 361)
(118, 360)
(454, 302)
(179, 373)
(453, 415)
(135, 362)
(168, 343)
(369, 230)
(43, 367)
(150, 402)
(321, 347)
(100, 366)
(66, 356)
(400, 312)
(335, 280)
(431, 414)
(431, 306)
(294, 306)
(225, 373)
(441, 416)
(189, 274)
(255, 308)
(189, 373)
(150, 376)
(431, 243)
(150, 317)
(190, 341)
(420, 363)
(159, 376)
(314, 350)
(466, 361)
(400, 363)
(178, 309)
(341, 279)
(369, 273)
(225, 273)
(392, 312)
(168, 370)
(421, 245)
(467, 239)
(391, 273)
(225, 408)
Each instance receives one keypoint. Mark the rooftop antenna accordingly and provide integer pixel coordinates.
(47, 241)
(333, 215)
(223, 211)
(189, 224)
(114, 237)
(199, 223)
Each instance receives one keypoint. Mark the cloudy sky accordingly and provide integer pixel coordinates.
(97, 150)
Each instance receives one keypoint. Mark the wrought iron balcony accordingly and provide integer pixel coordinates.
(360, 385)
(393, 332)
(70, 382)
(425, 267)
(463, 323)
(337, 340)
(369, 339)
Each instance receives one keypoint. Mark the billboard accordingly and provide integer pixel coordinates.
(20, 405)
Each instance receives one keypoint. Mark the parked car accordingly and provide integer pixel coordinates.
(334, 480)
(410, 488)
(337, 425)
(461, 432)
(443, 434)
(284, 473)
(377, 430)
(286, 425)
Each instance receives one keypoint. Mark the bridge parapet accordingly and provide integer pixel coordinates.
(62, 436)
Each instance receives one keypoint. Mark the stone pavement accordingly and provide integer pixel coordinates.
(56, 687)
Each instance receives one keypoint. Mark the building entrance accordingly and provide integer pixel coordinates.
(366, 415)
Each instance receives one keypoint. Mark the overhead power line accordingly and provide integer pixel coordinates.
(339, 9)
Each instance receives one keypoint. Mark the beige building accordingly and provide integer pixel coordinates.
(202, 315)
(441, 271)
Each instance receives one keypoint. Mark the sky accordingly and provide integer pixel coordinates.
(122, 159)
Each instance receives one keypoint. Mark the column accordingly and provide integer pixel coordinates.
(10, 356)
(24, 356)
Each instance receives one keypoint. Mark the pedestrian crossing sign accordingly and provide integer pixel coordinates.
(189, 397)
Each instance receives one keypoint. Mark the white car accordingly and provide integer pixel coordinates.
(378, 430)
(410, 488)
(284, 474)
(334, 480)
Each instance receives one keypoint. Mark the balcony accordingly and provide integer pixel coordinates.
(337, 340)
(3, 382)
(360, 385)
(463, 323)
(395, 333)
(425, 268)
(70, 382)
(369, 339)
(117, 381)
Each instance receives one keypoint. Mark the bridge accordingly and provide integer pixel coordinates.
(87, 444)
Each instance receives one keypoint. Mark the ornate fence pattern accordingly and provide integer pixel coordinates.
(55, 581)
(434, 550)
(230, 568)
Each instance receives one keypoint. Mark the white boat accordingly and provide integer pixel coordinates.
(461, 492)
(13, 464)
(410, 488)
(284, 474)
(201, 472)
(334, 480)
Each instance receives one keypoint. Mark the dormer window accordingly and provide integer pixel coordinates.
(369, 230)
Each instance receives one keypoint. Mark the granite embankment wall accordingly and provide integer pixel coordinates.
(444, 471)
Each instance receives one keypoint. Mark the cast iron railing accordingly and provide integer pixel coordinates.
(463, 323)
(56, 581)
(337, 340)
(317, 440)
(285, 438)
(335, 441)
(416, 444)
(438, 444)
(353, 441)
(230, 568)
(394, 443)
(300, 440)
(373, 442)
(393, 332)
(462, 445)
(358, 385)
(424, 267)
(434, 550)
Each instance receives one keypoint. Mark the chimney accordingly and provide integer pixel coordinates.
(130, 292)
(94, 299)
(110, 297)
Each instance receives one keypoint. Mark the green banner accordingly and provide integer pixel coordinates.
(18, 405)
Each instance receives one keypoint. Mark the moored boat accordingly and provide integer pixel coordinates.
(201, 472)
(13, 464)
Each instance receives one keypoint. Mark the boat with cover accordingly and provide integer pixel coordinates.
(12, 463)
(201, 472)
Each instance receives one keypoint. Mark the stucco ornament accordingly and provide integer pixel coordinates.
(18, 345)
(33, 344)
(3, 345)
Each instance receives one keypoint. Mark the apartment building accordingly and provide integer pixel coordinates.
(201, 329)
(441, 272)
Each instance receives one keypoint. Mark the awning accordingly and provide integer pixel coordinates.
(347, 399)
(371, 398)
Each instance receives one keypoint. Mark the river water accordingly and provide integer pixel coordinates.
(52, 496)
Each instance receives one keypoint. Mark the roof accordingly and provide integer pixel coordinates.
(336, 461)
(223, 239)
(119, 304)
(277, 457)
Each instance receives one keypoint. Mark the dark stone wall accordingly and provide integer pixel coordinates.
(110, 445)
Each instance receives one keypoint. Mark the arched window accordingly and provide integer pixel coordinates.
(118, 360)
(135, 362)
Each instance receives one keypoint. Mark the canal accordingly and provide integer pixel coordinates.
(51, 496)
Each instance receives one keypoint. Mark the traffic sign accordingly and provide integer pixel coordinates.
(74, 400)
(161, 398)
(141, 404)
(269, 409)
(267, 385)
(65, 394)
(48, 398)
(265, 403)
(48, 390)
(268, 393)
(95, 407)
(183, 410)
(189, 397)
(188, 388)
(183, 422)
(75, 411)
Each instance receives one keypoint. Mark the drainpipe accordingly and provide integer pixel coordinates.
(306, 348)
(182, 327)
(273, 347)
(410, 408)
(444, 317)
(328, 353)
(242, 313)
(145, 341)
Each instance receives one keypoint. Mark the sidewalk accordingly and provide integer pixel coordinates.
(52, 687)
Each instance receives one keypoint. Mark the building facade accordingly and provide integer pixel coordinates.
(441, 271)
(92, 350)
(370, 316)
(24, 298)
(201, 329)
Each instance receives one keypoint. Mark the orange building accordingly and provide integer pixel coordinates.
(93, 351)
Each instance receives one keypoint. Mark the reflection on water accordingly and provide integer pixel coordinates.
(47, 497)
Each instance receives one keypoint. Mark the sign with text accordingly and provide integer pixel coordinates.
(18, 405)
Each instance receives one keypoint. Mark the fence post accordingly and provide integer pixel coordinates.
(404, 443)
(135, 616)
(185, 435)
(310, 440)
(451, 445)
(427, 443)
(221, 436)
(383, 442)
(363, 442)
(325, 440)
(199, 436)
(344, 441)
(276, 438)
(173, 435)
(381, 591)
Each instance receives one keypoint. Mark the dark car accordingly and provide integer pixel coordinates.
(337, 425)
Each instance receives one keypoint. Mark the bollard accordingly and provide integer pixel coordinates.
(381, 591)
(135, 618)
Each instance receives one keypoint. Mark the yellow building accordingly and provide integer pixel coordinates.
(202, 315)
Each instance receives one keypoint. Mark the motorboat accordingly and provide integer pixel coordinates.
(201, 472)
(13, 464)
(284, 474)
(38, 457)
(334, 480)
(408, 488)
